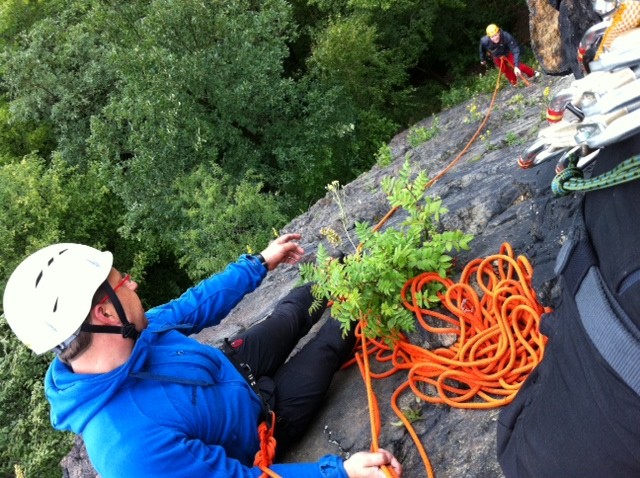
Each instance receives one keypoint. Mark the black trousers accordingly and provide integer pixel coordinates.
(294, 388)
(573, 417)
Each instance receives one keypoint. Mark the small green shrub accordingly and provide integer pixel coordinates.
(513, 139)
(473, 113)
(420, 134)
(384, 156)
(367, 283)
(468, 87)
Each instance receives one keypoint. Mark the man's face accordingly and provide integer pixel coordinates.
(125, 289)
(495, 38)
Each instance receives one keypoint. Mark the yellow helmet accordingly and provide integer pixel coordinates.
(492, 30)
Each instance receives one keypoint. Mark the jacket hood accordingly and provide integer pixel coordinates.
(76, 398)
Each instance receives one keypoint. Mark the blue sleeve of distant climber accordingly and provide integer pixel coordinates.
(210, 301)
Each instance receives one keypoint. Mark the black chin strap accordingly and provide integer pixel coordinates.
(128, 330)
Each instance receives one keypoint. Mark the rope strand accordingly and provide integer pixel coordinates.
(572, 178)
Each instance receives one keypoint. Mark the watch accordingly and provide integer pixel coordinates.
(260, 258)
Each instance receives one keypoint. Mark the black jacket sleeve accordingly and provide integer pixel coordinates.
(483, 49)
(513, 47)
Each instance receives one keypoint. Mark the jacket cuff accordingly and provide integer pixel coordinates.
(255, 262)
(332, 466)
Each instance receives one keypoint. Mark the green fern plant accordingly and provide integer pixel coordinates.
(367, 284)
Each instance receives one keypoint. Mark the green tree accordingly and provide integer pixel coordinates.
(26, 436)
(42, 203)
(55, 74)
(210, 203)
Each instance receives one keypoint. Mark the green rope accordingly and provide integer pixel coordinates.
(572, 178)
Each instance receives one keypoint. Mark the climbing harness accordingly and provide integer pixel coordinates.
(265, 456)
(608, 327)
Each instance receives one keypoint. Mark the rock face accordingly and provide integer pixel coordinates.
(556, 27)
(487, 195)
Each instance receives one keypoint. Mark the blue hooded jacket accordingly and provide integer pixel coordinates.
(176, 408)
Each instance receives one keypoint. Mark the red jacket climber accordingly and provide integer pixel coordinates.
(503, 49)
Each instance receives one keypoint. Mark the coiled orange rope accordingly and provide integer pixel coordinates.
(495, 315)
(380, 349)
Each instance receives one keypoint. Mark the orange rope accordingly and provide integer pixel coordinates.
(265, 456)
(524, 80)
(382, 351)
(495, 315)
(374, 409)
(438, 176)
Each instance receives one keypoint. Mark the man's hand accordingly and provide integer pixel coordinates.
(483, 63)
(367, 465)
(283, 250)
(517, 71)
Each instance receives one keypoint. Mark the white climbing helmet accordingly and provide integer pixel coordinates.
(49, 295)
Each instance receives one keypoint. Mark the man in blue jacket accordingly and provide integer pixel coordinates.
(504, 50)
(151, 402)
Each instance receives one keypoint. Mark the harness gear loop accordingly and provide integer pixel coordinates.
(265, 456)
(267, 453)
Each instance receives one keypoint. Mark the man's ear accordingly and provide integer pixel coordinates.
(103, 315)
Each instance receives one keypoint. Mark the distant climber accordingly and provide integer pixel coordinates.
(504, 50)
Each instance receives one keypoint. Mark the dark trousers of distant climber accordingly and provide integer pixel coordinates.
(294, 389)
(505, 65)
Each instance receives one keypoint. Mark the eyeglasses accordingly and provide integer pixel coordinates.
(126, 278)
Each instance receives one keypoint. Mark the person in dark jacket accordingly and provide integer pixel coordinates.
(148, 400)
(578, 412)
(503, 49)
